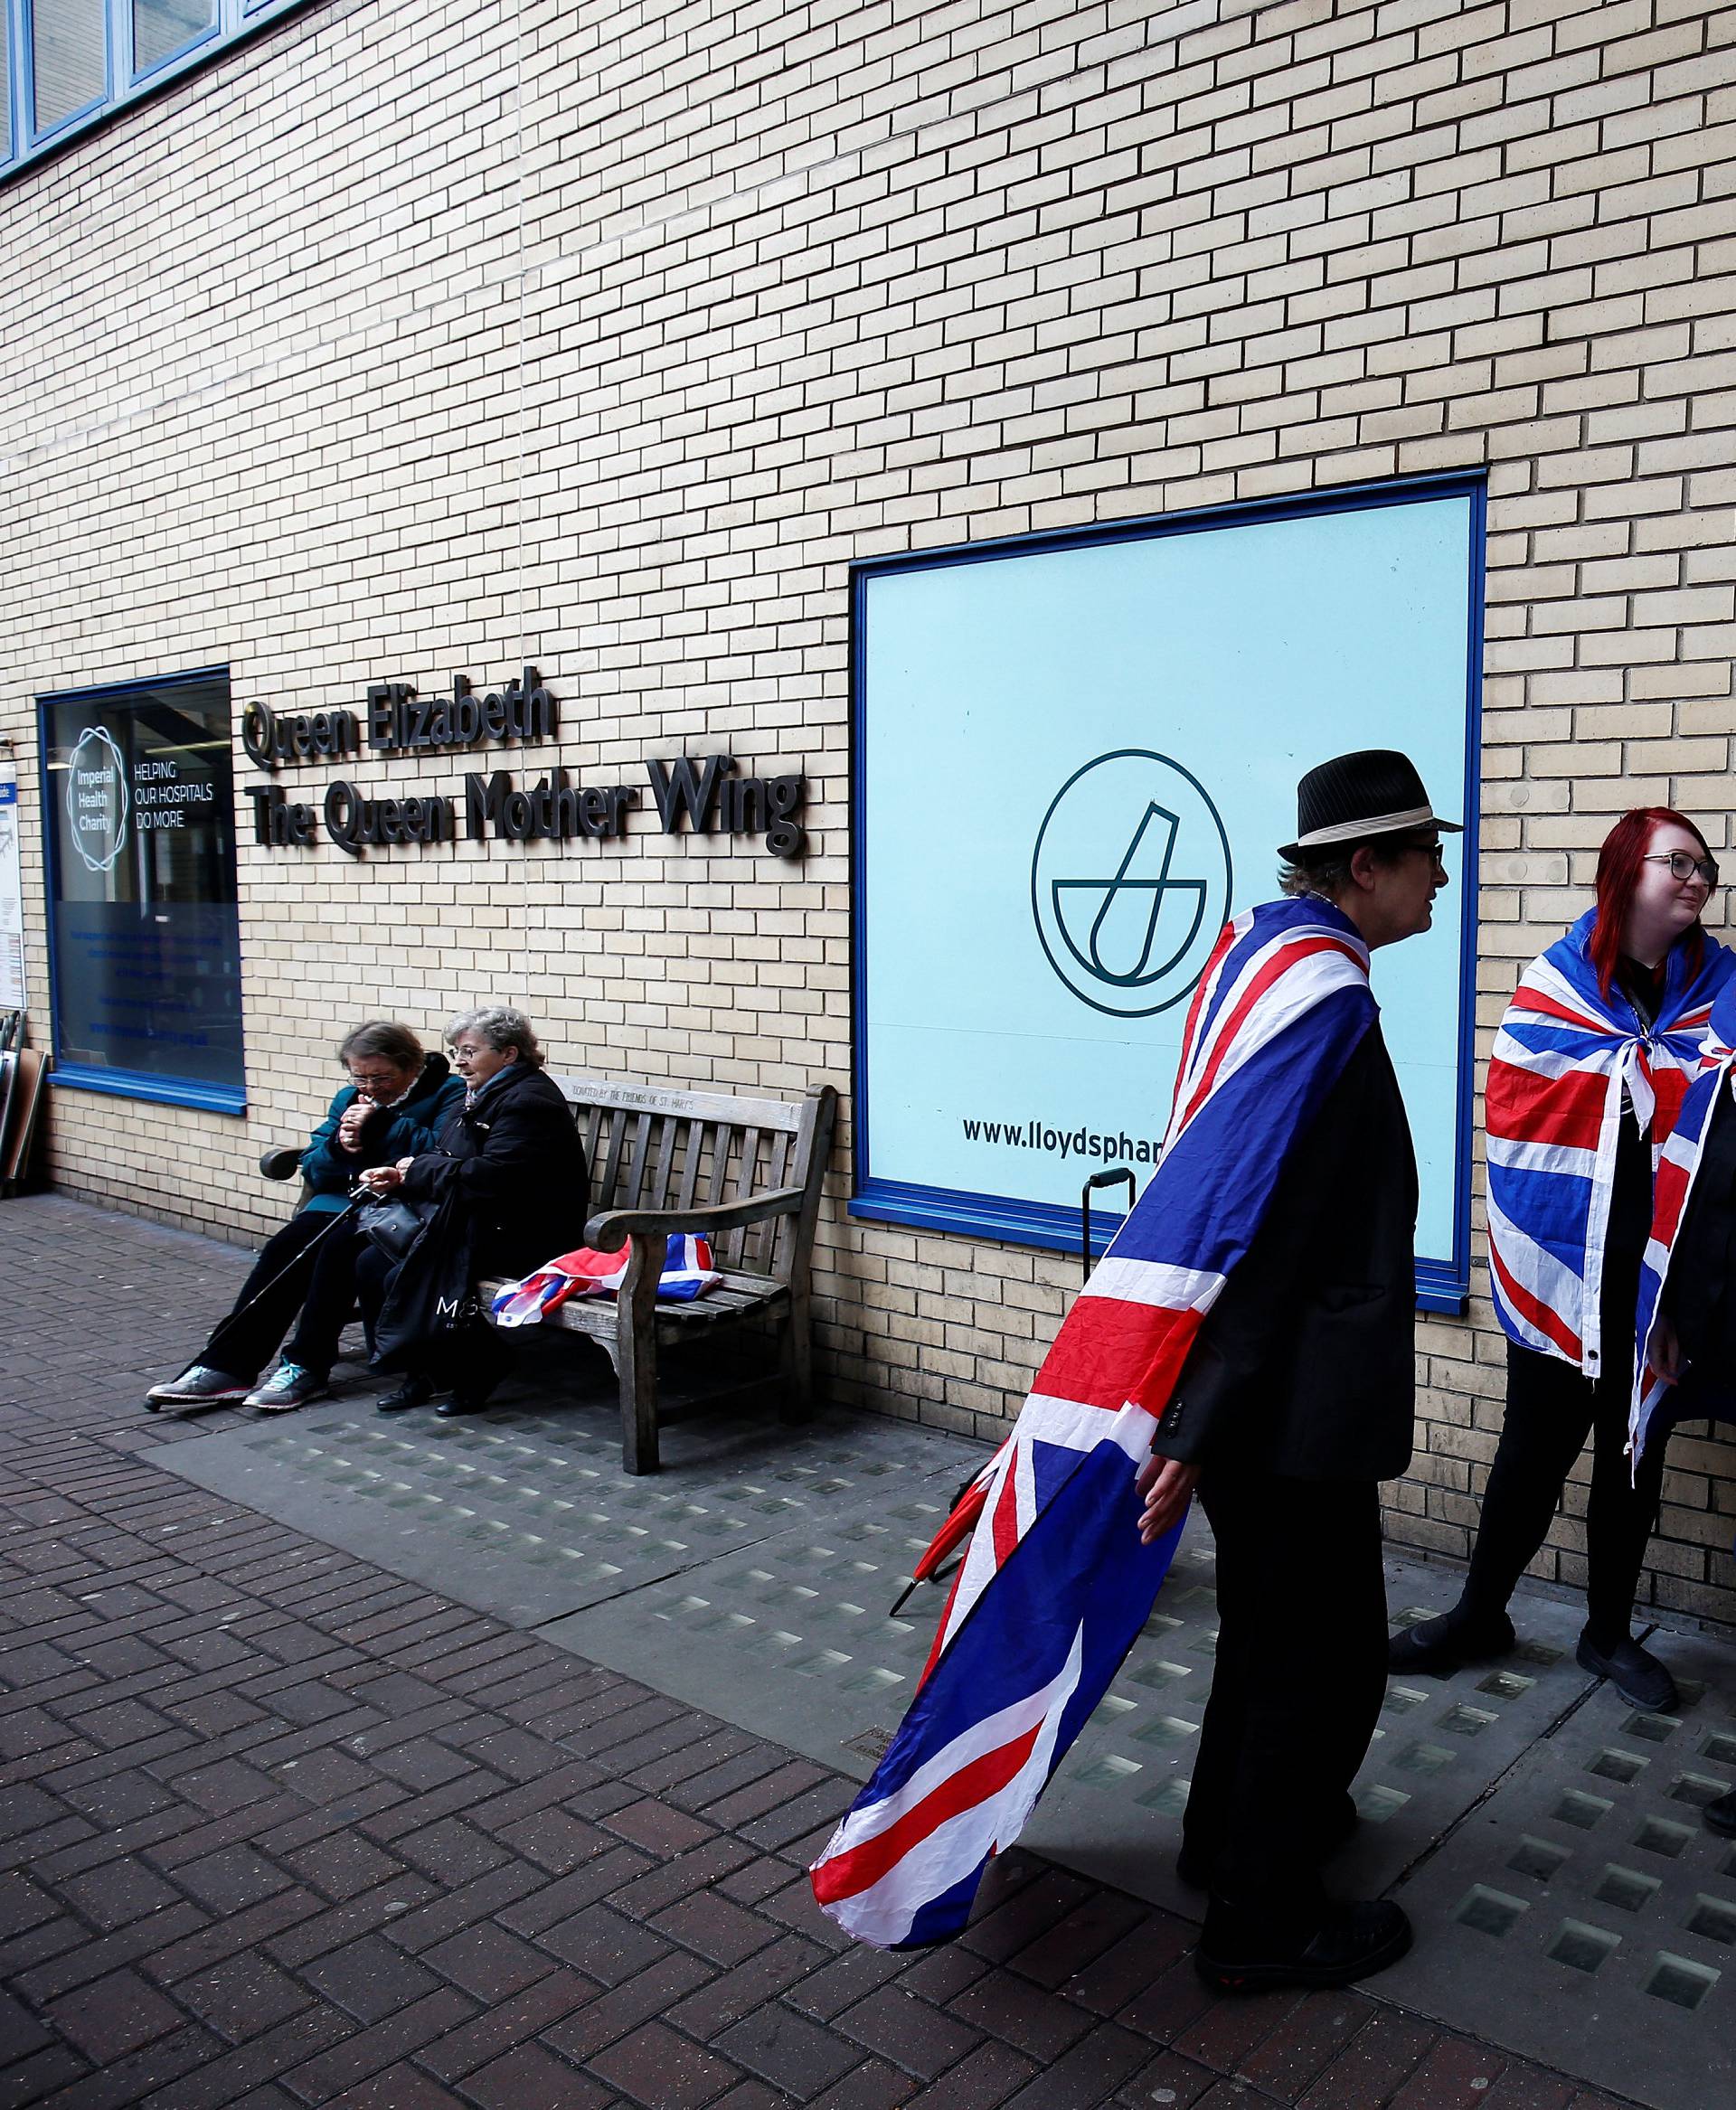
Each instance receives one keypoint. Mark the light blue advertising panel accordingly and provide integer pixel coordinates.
(1073, 759)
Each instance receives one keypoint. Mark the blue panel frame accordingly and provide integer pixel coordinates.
(1443, 1284)
(120, 1084)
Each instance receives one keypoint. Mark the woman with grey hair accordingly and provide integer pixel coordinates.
(512, 1158)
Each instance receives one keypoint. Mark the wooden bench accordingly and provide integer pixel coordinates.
(746, 1173)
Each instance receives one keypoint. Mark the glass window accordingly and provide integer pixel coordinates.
(138, 806)
(160, 28)
(70, 55)
(5, 82)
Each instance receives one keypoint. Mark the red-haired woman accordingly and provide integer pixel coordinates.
(1590, 1070)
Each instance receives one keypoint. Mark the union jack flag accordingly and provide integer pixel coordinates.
(687, 1273)
(1677, 1164)
(1564, 1059)
(1016, 1669)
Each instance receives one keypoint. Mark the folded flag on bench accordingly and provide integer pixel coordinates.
(687, 1273)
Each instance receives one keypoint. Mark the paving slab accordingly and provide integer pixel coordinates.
(1582, 1914)
(526, 1513)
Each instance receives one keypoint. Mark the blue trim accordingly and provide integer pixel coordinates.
(142, 1084)
(1442, 1285)
(123, 1084)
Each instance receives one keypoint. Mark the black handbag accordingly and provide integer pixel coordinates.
(392, 1223)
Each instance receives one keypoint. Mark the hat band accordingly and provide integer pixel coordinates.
(1416, 816)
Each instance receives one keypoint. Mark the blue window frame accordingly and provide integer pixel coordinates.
(1072, 757)
(66, 65)
(144, 939)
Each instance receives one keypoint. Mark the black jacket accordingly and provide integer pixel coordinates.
(515, 1157)
(1305, 1366)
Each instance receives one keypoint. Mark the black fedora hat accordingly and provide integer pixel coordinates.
(1353, 798)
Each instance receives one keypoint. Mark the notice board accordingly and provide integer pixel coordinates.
(1073, 759)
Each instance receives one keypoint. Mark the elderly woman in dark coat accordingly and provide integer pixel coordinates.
(512, 1161)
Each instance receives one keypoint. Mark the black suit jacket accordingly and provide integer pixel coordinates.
(1305, 1366)
(516, 1158)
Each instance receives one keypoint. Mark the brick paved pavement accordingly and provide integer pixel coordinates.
(279, 1828)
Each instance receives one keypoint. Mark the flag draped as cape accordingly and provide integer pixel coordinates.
(1676, 1169)
(1054, 1585)
(1563, 1058)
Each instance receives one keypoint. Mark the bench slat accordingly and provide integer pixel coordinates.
(642, 1127)
(635, 1099)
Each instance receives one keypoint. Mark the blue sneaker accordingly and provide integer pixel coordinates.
(201, 1385)
(289, 1385)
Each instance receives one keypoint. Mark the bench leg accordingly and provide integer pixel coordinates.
(636, 1359)
(797, 1354)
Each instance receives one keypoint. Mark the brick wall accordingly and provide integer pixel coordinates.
(429, 338)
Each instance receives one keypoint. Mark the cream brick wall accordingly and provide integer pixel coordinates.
(437, 337)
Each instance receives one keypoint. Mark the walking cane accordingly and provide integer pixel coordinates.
(265, 1289)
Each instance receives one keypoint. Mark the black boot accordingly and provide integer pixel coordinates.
(1635, 1672)
(1241, 1953)
(415, 1391)
(1439, 1646)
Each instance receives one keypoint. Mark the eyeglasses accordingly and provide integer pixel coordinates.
(373, 1079)
(1683, 866)
(1434, 852)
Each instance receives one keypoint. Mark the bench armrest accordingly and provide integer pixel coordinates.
(614, 1227)
(281, 1165)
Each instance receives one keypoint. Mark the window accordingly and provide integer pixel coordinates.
(65, 64)
(164, 29)
(138, 810)
(70, 59)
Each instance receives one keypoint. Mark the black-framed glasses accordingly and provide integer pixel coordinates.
(1683, 865)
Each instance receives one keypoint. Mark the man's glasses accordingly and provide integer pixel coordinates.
(1683, 866)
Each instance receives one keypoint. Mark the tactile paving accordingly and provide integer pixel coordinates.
(1584, 1915)
(525, 1513)
(801, 1648)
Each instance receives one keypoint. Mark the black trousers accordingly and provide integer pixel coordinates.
(348, 1269)
(243, 1343)
(1551, 1409)
(1300, 1676)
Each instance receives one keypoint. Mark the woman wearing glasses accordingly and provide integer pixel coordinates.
(1590, 1070)
(396, 1100)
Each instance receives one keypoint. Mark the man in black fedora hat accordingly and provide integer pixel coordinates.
(1295, 1401)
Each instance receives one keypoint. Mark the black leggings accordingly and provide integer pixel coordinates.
(1551, 1409)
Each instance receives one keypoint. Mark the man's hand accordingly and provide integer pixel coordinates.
(1168, 1487)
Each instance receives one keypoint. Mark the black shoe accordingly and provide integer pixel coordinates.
(1637, 1675)
(1353, 1942)
(463, 1403)
(1721, 1815)
(1194, 1867)
(415, 1391)
(1439, 1646)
